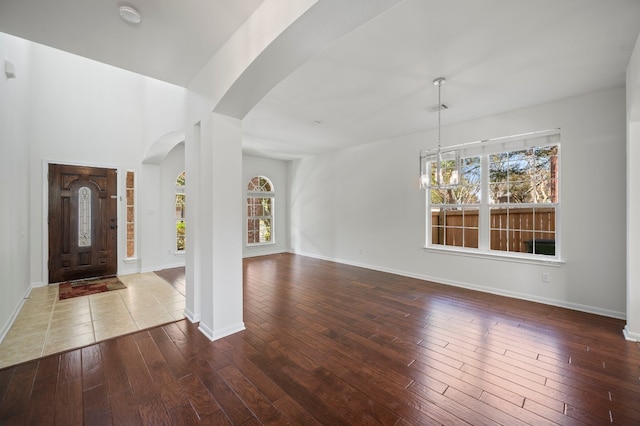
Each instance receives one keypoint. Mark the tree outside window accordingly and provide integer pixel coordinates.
(519, 209)
(181, 230)
(260, 206)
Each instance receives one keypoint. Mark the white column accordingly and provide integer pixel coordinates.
(632, 329)
(193, 169)
(221, 228)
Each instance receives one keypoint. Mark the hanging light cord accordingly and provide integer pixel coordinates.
(439, 110)
(439, 82)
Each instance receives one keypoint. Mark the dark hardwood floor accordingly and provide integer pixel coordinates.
(334, 344)
(175, 277)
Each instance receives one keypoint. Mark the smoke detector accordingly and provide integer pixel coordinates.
(130, 14)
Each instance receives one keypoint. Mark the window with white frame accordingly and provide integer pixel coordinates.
(260, 204)
(131, 225)
(181, 226)
(507, 199)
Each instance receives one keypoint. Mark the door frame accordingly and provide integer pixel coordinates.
(45, 210)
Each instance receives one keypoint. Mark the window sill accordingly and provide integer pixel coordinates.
(130, 260)
(270, 243)
(532, 259)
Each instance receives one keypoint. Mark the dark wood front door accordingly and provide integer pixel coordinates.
(83, 231)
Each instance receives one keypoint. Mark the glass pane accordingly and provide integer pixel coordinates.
(84, 217)
(181, 179)
(265, 230)
(254, 184)
(180, 228)
(130, 180)
(181, 231)
(265, 185)
(180, 206)
(455, 227)
(468, 192)
(181, 243)
(524, 176)
(266, 206)
(260, 183)
(520, 229)
(470, 238)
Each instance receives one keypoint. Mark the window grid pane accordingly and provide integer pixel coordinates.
(456, 227)
(520, 205)
(260, 201)
(520, 180)
(130, 206)
(180, 213)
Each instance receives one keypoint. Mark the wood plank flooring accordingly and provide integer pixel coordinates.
(334, 344)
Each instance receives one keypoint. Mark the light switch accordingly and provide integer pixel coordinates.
(9, 69)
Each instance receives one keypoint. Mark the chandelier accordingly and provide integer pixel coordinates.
(439, 169)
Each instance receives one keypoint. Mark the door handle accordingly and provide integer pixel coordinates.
(113, 226)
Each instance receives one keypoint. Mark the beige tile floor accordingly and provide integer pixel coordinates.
(46, 325)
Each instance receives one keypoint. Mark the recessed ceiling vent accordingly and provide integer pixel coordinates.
(438, 107)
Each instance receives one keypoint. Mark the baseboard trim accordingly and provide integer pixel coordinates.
(191, 316)
(14, 314)
(491, 290)
(223, 332)
(629, 335)
(257, 253)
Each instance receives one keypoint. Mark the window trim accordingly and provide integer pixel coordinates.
(179, 189)
(261, 194)
(483, 149)
(134, 223)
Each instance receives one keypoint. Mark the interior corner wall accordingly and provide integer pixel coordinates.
(14, 174)
(362, 206)
(276, 171)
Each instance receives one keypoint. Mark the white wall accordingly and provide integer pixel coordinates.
(170, 168)
(85, 112)
(276, 171)
(14, 175)
(362, 206)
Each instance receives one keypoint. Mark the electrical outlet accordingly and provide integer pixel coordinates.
(545, 277)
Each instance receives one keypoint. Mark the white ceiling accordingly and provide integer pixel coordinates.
(497, 55)
(172, 43)
(376, 82)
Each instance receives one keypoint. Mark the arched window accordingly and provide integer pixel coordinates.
(181, 234)
(260, 203)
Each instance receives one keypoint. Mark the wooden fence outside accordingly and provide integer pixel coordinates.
(511, 229)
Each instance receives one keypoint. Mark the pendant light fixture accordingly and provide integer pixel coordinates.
(439, 169)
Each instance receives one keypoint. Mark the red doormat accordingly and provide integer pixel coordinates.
(72, 289)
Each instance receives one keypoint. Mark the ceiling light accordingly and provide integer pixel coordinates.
(439, 169)
(130, 14)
